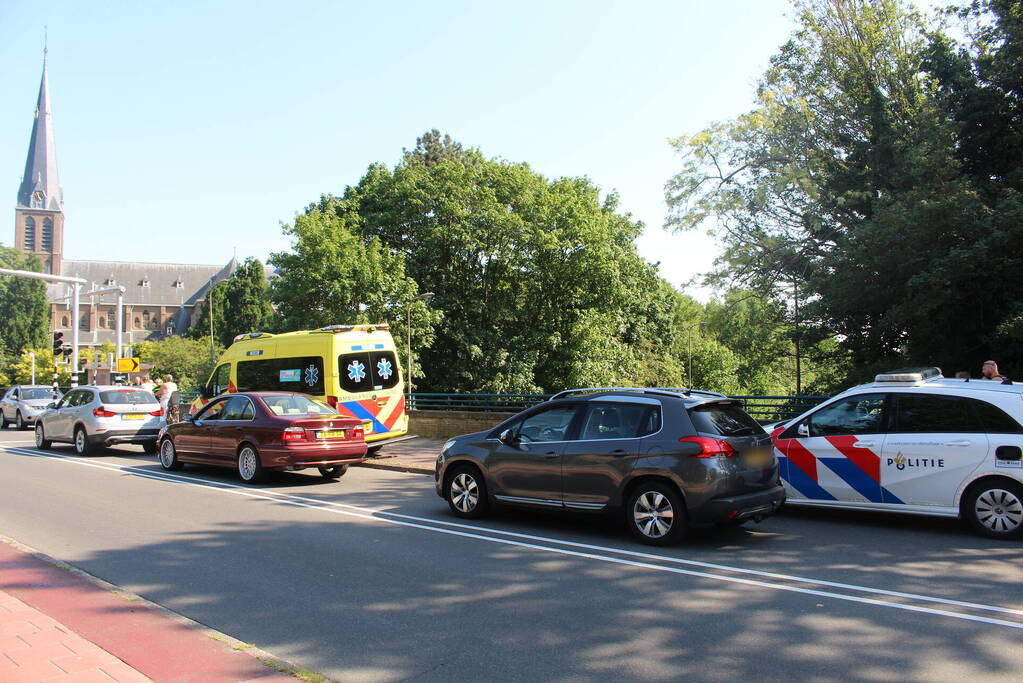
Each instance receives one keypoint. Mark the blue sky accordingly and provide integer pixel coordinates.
(188, 130)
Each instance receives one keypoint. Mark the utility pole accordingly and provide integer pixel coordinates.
(32, 355)
(213, 352)
(799, 369)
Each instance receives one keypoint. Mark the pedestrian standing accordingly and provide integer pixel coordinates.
(147, 384)
(173, 398)
(990, 371)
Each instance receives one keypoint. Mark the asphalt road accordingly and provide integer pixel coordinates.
(370, 578)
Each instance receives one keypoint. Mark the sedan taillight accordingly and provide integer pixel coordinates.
(103, 412)
(293, 434)
(709, 447)
(354, 434)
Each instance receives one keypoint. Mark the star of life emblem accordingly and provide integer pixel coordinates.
(384, 368)
(356, 371)
(312, 375)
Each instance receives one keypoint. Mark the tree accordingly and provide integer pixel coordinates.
(843, 186)
(241, 304)
(20, 371)
(538, 280)
(188, 360)
(24, 311)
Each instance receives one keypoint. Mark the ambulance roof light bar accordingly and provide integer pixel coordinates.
(909, 375)
(251, 335)
(349, 328)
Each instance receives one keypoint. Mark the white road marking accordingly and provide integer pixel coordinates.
(425, 525)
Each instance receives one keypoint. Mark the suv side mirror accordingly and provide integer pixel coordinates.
(803, 429)
(507, 437)
(51, 405)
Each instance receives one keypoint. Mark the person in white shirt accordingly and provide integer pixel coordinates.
(170, 398)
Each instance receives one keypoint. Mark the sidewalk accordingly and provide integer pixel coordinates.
(58, 625)
(417, 455)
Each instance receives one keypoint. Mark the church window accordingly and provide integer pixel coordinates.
(109, 282)
(138, 323)
(102, 321)
(179, 284)
(63, 322)
(83, 322)
(156, 321)
(30, 234)
(145, 319)
(111, 323)
(47, 235)
(144, 282)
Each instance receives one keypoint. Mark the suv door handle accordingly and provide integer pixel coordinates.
(618, 451)
(961, 443)
(550, 455)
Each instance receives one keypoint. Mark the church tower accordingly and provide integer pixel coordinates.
(39, 214)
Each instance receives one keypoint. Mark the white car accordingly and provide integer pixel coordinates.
(97, 416)
(912, 441)
(21, 404)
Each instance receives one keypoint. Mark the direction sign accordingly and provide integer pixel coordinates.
(128, 365)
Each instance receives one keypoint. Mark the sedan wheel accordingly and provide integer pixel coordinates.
(335, 472)
(655, 514)
(466, 493)
(41, 441)
(250, 469)
(996, 510)
(169, 456)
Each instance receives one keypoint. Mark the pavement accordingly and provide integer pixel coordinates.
(411, 454)
(59, 624)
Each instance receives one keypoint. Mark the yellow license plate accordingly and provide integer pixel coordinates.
(759, 458)
(332, 434)
(132, 416)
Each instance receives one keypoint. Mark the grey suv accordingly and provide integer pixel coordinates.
(667, 458)
(97, 416)
(21, 404)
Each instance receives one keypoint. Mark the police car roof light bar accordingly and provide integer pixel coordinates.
(643, 390)
(911, 375)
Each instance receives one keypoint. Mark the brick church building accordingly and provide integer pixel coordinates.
(160, 299)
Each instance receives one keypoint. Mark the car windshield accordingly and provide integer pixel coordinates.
(726, 419)
(123, 396)
(32, 394)
(294, 404)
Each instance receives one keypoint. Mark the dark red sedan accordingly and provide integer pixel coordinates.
(258, 431)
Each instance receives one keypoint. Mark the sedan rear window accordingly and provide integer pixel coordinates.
(296, 405)
(726, 419)
(123, 396)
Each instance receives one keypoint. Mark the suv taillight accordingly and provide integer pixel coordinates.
(710, 447)
(293, 434)
(157, 413)
(103, 412)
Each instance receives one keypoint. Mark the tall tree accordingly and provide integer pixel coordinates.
(24, 311)
(240, 304)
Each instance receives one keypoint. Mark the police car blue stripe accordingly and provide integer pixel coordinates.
(363, 414)
(804, 484)
(889, 497)
(851, 474)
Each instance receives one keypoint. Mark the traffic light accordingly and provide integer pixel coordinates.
(81, 361)
(67, 353)
(58, 341)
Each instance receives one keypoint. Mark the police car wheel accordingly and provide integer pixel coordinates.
(995, 509)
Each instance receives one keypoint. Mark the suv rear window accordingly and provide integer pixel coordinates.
(125, 396)
(726, 419)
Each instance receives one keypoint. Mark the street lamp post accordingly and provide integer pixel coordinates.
(425, 296)
(689, 372)
(32, 355)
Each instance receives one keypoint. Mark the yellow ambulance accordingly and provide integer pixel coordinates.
(353, 368)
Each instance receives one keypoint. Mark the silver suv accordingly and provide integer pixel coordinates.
(98, 416)
(23, 403)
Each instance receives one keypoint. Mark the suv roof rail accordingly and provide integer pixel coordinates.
(664, 391)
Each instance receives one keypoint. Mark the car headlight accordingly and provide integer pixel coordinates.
(447, 445)
(30, 410)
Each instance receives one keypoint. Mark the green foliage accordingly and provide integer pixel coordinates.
(188, 360)
(240, 304)
(20, 370)
(855, 184)
(24, 312)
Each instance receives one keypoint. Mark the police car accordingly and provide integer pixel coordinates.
(914, 442)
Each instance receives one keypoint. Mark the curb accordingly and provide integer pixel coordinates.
(395, 467)
(265, 658)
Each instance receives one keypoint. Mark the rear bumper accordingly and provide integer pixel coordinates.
(313, 455)
(735, 508)
(114, 436)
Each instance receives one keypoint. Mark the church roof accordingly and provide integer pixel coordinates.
(155, 284)
(40, 186)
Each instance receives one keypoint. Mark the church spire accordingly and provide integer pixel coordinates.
(40, 186)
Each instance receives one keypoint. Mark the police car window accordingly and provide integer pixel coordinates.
(301, 374)
(854, 415)
(930, 413)
(619, 420)
(367, 371)
(547, 425)
(994, 419)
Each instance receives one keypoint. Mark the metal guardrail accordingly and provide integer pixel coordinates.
(764, 408)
